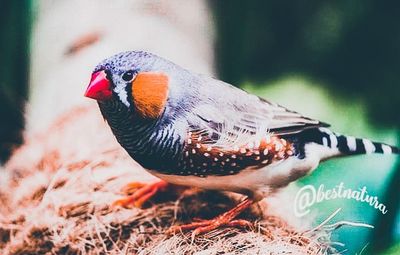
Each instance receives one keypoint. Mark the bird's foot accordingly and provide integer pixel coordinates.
(224, 220)
(140, 193)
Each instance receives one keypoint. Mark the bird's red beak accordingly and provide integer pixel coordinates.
(99, 87)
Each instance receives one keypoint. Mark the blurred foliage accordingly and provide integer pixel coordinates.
(14, 50)
(352, 45)
(395, 250)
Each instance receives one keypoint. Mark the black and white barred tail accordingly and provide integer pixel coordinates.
(345, 145)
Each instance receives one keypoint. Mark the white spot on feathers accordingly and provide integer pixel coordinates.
(351, 143)
(325, 141)
(386, 149)
(334, 141)
(369, 146)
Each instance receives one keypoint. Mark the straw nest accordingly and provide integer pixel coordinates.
(57, 190)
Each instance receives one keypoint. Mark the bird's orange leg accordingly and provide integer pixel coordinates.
(142, 193)
(226, 219)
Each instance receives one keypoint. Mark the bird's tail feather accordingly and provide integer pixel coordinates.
(348, 145)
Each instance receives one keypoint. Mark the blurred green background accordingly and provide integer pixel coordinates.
(337, 61)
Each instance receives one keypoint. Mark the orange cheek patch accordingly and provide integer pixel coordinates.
(150, 93)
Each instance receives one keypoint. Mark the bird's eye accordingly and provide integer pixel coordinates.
(127, 76)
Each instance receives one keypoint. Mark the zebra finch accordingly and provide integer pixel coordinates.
(192, 130)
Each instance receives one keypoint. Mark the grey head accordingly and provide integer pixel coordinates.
(113, 86)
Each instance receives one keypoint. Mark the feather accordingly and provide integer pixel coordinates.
(232, 117)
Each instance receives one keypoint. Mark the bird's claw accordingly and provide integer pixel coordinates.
(140, 193)
(224, 220)
(204, 226)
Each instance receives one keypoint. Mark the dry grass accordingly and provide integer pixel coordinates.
(57, 190)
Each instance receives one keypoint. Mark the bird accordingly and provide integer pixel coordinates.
(194, 130)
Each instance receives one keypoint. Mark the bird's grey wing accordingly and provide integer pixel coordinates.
(232, 116)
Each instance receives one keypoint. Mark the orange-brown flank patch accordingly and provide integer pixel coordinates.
(202, 158)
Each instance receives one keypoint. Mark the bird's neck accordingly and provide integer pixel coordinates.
(144, 140)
